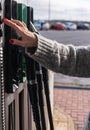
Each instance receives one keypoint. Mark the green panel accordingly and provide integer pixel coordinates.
(22, 13)
(22, 16)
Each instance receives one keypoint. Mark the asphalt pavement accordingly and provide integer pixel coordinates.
(78, 37)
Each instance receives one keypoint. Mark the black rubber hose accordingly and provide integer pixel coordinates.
(33, 92)
(46, 88)
(40, 94)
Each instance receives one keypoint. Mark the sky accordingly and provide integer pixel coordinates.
(61, 9)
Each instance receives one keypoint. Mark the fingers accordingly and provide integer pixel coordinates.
(20, 43)
(22, 24)
(9, 22)
(15, 24)
(16, 42)
(21, 28)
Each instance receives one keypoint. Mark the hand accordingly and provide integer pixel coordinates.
(28, 38)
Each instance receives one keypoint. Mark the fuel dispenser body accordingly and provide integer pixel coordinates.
(24, 82)
(10, 52)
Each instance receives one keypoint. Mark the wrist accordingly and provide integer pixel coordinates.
(34, 45)
(35, 40)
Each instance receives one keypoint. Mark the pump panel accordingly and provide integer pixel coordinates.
(10, 51)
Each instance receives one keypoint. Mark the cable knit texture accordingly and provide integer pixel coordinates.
(60, 58)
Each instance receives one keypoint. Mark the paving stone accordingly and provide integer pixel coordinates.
(62, 121)
(80, 108)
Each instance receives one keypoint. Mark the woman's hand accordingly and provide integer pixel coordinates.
(28, 38)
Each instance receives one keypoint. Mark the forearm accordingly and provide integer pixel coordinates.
(61, 58)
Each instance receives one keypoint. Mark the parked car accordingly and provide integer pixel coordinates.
(84, 26)
(58, 26)
(46, 26)
(70, 26)
(38, 24)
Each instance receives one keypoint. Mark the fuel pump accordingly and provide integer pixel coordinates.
(38, 80)
(42, 77)
(10, 52)
(45, 79)
(22, 16)
(29, 67)
(16, 66)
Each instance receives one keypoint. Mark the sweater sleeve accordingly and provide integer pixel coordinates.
(60, 58)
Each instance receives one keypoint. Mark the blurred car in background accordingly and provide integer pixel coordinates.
(38, 24)
(58, 26)
(70, 26)
(83, 26)
(46, 26)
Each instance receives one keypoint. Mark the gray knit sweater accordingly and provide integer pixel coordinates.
(60, 58)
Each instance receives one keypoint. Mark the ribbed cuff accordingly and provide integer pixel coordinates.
(43, 50)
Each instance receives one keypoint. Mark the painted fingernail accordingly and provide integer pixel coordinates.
(11, 41)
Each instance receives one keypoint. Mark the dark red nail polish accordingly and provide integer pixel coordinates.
(11, 41)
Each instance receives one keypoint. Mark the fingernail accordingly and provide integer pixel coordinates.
(3, 19)
(11, 41)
